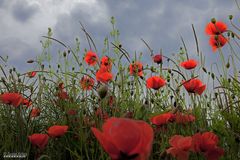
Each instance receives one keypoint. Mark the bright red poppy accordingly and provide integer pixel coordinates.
(14, 99)
(157, 58)
(39, 140)
(86, 83)
(206, 143)
(91, 58)
(194, 86)
(189, 64)
(57, 131)
(106, 62)
(180, 147)
(162, 119)
(181, 118)
(103, 75)
(136, 68)
(217, 42)
(35, 112)
(32, 74)
(155, 82)
(216, 29)
(124, 138)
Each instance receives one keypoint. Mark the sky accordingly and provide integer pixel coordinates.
(160, 23)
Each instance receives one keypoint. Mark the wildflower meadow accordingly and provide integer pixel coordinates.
(98, 104)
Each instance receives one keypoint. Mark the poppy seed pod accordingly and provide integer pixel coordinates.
(102, 91)
(213, 20)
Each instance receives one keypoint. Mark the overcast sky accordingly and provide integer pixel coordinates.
(159, 22)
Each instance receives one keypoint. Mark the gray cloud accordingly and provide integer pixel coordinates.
(23, 11)
(158, 22)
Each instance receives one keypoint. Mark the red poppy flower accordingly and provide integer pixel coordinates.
(136, 68)
(32, 74)
(103, 76)
(35, 112)
(194, 86)
(216, 29)
(39, 140)
(124, 138)
(14, 99)
(190, 64)
(87, 83)
(180, 147)
(57, 131)
(72, 112)
(206, 143)
(217, 42)
(106, 62)
(155, 82)
(157, 58)
(162, 119)
(181, 118)
(91, 58)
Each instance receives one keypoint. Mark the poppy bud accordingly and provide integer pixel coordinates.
(232, 34)
(42, 66)
(213, 76)
(30, 61)
(64, 54)
(169, 70)
(230, 17)
(229, 80)
(14, 69)
(228, 34)
(73, 68)
(10, 70)
(204, 69)
(228, 65)
(213, 20)
(58, 66)
(102, 91)
(69, 51)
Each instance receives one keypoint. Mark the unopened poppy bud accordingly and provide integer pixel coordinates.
(204, 69)
(169, 70)
(228, 34)
(228, 65)
(102, 91)
(69, 51)
(232, 34)
(73, 68)
(216, 94)
(42, 66)
(230, 17)
(64, 54)
(30, 61)
(213, 20)
(58, 66)
(14, 69)
(10, 70)
(229, 80)
(213, 76)
(120, 46)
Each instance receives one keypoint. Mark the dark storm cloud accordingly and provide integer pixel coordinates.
(160, 23)
(22, 10)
